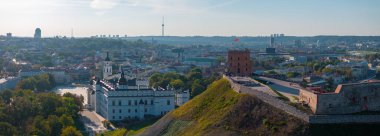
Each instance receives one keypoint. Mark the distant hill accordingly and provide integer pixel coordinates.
(248, 40)
(221, 111)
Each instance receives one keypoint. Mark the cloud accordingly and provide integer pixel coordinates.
(104, 4)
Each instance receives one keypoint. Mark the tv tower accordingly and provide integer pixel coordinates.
(163, 26)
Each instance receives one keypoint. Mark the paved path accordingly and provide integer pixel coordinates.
(287, 88)
(261, 88)
(92, 122)
(270, 100)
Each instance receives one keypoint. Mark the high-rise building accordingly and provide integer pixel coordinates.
(37, 33)
(239, 63)
(9, 35)
(271, 42)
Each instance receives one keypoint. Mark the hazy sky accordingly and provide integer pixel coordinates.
(190, 17)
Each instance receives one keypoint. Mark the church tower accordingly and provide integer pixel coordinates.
(107, 67)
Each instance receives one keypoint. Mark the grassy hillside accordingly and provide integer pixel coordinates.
(222, 111)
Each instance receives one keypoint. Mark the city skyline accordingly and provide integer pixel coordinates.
(189, 18)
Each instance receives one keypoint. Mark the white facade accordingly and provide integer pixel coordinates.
(182, 97)
(130, 98)
(129, 101)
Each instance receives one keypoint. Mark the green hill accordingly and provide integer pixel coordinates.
(222, 111)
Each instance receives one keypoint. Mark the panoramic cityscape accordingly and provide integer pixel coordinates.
(177, 67)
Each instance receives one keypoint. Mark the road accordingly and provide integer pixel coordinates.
(92, 122)
(284, 87)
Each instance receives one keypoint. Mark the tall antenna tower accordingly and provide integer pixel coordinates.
(163, 26)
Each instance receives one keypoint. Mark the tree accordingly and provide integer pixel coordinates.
(196, 88)
(194, 74)
(66, 120)
(6, 96)
(177, 84)
(54, 124)
(70, 131)
(77, 99)
(7, 129)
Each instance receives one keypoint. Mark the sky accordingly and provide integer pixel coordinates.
(190, 17)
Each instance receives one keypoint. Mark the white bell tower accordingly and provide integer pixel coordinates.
(107, 67)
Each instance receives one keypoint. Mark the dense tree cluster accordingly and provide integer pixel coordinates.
(38, 83)
(193, 81)
(23, 112)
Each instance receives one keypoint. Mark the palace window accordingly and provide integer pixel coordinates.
(129, 110)
(145, 110)
(129, 102)
(151, 102)
(113, 103)
(136, 110)
(168, 102)
(135, 102)
(119, 110)
(119, 103)
(146, 102)
(113, 111)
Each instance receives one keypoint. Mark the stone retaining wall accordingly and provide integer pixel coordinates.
(312, 119)
(337, 119)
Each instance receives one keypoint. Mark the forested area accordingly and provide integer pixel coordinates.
(38, 112)
(38, 83)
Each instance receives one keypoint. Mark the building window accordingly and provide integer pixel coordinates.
(145, 110)
(238, 58)
(113, 103)
(113, 117)
(168, 102)
(135, 102)
(119, 103)
(151, 102)
(119, 117)
(136, 110)
(119, 110)
(129, 102)
(129, 110)
(146, 102)
(113, 111)
(230, 58)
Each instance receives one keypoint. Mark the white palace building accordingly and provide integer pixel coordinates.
(131, 98)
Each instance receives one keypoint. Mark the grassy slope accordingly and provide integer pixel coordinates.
(222, 111)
